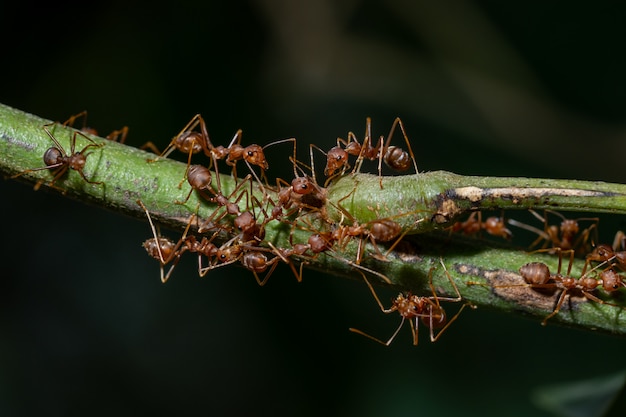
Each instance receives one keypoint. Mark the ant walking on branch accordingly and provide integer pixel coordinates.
(56, 158)
(393, 156)
(538, 275)
(192, 141)
(115, 136)
(474, 225)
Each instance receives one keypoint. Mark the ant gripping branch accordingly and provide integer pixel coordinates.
(56, 158)
(474, 224)
(115, 136)
(393, 156)
(191, 141)
(538, 275)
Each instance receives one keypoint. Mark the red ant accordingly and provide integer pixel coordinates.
(302, 194)
(566, 236)
(58, 159)
(244, 246)
(378, 230)
(324, 242)
(115, 136)
(609, 254)
(415, 308)
(191, 142)
(537, 275)
(231, 207)
(495, 226)
(394, 157)
(255, 260)
(166, 251)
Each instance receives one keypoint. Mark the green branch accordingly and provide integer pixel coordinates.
(422, 204)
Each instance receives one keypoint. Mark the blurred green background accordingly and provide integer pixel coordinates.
(484, 88)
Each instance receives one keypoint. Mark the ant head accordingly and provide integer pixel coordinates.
(254, 155)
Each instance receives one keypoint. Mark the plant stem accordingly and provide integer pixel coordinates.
(422, 204)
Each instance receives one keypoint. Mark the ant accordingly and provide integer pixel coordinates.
(610, 254)
(302, 193)
(415, 308)
(473, 225)
(115, 136)
(255, 260)
(191, 141)
(231, 207)
(244, 246)
(324, 242)
(166, 251)
(566, 236)
(377, 230)
(58, 159)
(537, 275)
(199, 178)
(394, 157)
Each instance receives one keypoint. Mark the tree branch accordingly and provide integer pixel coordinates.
(422, 204)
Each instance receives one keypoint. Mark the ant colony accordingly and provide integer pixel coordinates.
(241, 221)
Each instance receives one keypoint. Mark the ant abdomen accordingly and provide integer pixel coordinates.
(397, 158)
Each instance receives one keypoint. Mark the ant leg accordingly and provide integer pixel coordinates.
(386, 311)
(367, 143)
(280, 256)
(398, 122)
(393, 336)
(151, 147)
(557, 308)
(118, 135)
(433, 337)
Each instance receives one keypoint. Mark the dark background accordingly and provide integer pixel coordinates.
(484, 88)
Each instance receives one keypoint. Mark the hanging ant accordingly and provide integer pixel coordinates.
(166, 251)
(56, 158)
(255, 260)
(414, 308)
(394, 157)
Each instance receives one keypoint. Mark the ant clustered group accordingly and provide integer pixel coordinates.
(599, 278)
(235, 230)
(300, 204)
